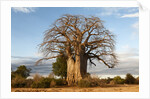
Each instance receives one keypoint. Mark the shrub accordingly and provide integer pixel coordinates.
(109, 80)
(37, 77)
(102, 82)
(35, 85)
(129, 79)
(95, 81)
(12, 75)
(22, 71)
(60, 82)
(92, 82)
(43, 83)
(84, 83)
(53, 83)
(29, 83)
(51, 75)
(137, 80)
(118, 80)
(18, 82)
(112, 82)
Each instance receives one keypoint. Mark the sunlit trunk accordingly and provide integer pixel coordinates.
(70, 71)
(78, 63)
(76, 68)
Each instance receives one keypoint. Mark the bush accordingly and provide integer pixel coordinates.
(129, 79)
(93, 81)
(37, 77)
(53, 83)
(22, 71)
(112, 82)
(29, 83)
(102, 82)
(84, 83)
(12, 75)
(118, 80)
(43, 83)
(51, 75)
(109, 80)
(60, 82)
(137, 80)
(18, 82)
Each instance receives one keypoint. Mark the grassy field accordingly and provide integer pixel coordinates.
(118, 88)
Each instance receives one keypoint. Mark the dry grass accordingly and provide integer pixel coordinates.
(118, 88)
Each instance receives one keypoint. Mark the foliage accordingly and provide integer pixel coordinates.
(84, 83)
(51, 75)
(46, 82)
(60, 82)
(53, 83)
(92, 82)
(29, 83)
(18, 77)
(22, 71)
(18, 82)
(137, 80)
(108, 80)
(43, 83)
(12, 75)
(37, 77)
(118, 80)
(60, 67)
(129, 79)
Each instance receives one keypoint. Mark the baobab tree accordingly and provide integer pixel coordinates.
(82, 39)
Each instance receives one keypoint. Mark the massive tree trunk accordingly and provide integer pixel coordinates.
(70, 71)
(76, 68)
(78, 63)
(84, 65)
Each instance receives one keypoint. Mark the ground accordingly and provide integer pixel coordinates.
(118, 88)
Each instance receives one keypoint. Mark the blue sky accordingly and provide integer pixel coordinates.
(28, 25)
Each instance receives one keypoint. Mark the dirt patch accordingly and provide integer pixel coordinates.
(118, 88)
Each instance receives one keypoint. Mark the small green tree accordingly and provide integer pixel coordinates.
(60, 67)
(129, 79)
(118, 80)
(21, 71)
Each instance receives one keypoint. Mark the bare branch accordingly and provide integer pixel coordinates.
(47, 58)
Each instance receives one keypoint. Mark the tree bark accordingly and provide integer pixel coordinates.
(70, 71)
(76, 68)
(84, 65)
(78, 63)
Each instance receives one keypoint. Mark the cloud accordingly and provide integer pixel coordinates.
(128, 63)
(130, 15)
(43, 69)
(28, 61)
(109, 11)
(135, 32)
(117, 11)
(23, 9)
(38, 54)
(136, 25)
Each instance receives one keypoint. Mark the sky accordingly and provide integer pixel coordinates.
(28, 26)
